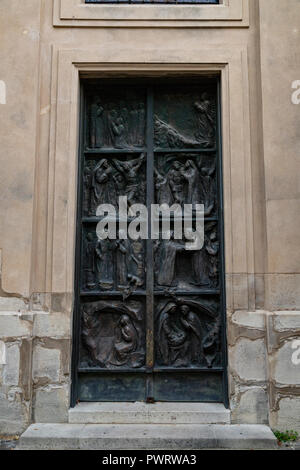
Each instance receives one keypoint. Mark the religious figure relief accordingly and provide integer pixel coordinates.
(205, 262)
(129, 169)
(185, 334)
(176, 181)
(125, 343)
(96, 124)
(107, 179)
(165, 254)
(207, 169)
(166, 136)
(202, 115)
(191, 175)
(116, 125)
(190, 180)
(110, 264)
(98, 261)
(112, 335)
(105, 264)
(130, 266)
(163, 190)
(89, 262)
(211, 343)
(118, 131)
(103, 190)
(87, 184)
(206, 113)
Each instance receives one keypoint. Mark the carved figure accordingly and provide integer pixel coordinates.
(205, 110)
(167, 258)
(105, 266)
(211, 343)
(125, 343)
(112, 335)
(119, 130)
(129, 170)
(191, 175)
(192, 325)
(179, 335)
(205, 261)
(90, 261)
(129, 267)
(102, 185)
(208, 186)
(96, 126)
(163, 193)
(176, 181)
(171, 336)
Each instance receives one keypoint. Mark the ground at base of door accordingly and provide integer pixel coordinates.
(147, 437)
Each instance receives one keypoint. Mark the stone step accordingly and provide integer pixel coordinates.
(143, 413)
(146, 437)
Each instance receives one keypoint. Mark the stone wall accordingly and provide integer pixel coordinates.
(264, 368)
(35, 363)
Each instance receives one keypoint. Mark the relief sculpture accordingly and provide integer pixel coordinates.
(203, 114)
(187, 333)
(188, 180)
(129, 170)
(205, 262)
(187, 270)
(112, 334)
(118, 126)
(110, 178)
(166, 252)
(113, 264)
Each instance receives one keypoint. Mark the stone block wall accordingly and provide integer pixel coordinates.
(34, 366)
(264, 368)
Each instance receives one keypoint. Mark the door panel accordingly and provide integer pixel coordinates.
(149, 322)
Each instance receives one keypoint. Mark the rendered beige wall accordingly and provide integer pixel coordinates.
(280, 67)
(262, 269)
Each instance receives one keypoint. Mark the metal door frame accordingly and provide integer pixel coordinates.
(149, 84)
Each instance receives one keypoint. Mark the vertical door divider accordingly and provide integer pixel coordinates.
(149, 251)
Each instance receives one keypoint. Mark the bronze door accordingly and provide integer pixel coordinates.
(149, 320)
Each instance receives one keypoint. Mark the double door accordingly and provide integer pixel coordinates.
(149, 321)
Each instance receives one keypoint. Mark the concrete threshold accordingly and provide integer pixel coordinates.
(143, 413)
(146, 437)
